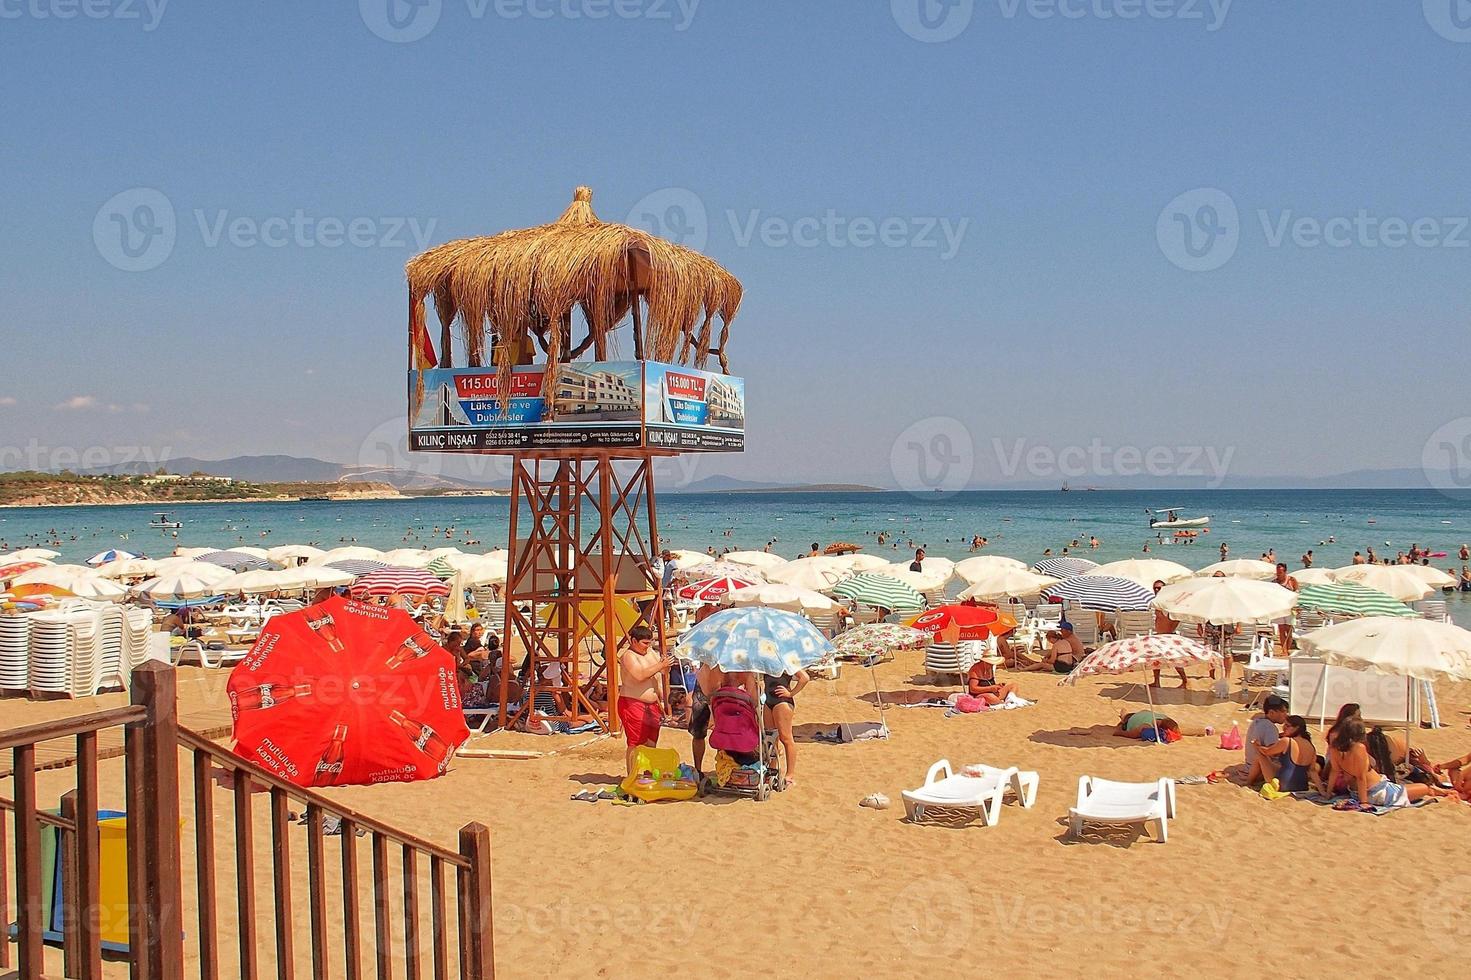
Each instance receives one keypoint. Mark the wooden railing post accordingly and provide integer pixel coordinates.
(153, 806)
(478, 940)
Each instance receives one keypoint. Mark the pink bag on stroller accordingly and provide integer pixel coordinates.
(733, 726)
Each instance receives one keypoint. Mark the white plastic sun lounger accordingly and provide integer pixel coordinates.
(983, 794)
(1108, 802)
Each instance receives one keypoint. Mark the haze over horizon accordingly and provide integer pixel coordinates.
(1048, 248)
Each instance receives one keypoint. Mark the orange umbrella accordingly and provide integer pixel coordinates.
(963, 622)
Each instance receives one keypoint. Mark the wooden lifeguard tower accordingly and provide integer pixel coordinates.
(583, 436)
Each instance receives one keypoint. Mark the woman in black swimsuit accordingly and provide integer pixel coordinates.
(781, 705)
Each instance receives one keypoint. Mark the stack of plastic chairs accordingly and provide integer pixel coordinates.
(113, 666)
(137, 625)
(51, 652)
(15, 653)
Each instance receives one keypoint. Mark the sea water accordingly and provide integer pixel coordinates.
(1022, 524)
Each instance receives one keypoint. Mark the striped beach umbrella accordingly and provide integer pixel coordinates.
(712, 590)
(1103, 593)
(357, 566)
(1064, 567)
(879, 591)
(1350, 598)
(237, 561)
(441, 568)
(394, 580)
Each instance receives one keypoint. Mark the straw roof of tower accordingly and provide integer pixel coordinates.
(526, 282)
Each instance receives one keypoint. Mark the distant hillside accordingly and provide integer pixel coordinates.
(294, 469)
(30, 489)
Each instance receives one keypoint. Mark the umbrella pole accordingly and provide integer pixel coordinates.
(1149, 693)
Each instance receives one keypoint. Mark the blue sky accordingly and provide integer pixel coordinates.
(1049, 139)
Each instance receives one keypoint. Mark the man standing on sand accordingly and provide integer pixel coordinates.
(638, 695)
(1284, 625)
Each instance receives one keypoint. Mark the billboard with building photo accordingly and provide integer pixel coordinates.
(594, 404)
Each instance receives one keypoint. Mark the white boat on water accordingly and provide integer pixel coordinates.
(162, 520)
(1172, 518)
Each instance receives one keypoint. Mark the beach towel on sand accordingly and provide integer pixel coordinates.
(1313, 796)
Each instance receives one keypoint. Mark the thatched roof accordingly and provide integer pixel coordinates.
(524, 284)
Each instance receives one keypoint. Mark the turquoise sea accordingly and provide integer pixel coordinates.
(1333, 523)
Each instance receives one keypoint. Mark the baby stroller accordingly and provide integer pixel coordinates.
(747, 761)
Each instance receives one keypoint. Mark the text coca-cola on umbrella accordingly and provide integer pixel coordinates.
(347, 692)
(399, 581)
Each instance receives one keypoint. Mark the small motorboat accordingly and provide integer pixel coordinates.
(163, 521)
(1173, 518)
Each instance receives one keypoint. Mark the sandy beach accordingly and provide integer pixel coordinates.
(810, 883)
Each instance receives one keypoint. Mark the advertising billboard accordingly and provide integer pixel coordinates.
(591, 404)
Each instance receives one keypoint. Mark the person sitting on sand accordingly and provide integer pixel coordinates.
(1262, 734)
(1293, 755)
(981, 682)
(1457, 772)
(1348, 753)
(1064, 650)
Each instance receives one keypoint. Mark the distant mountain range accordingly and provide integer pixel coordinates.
(298, 469)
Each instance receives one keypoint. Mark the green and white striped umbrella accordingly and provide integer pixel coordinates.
(1351, 599)
(879, 591)
(441, 568)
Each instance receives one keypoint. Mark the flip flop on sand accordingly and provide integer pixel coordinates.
(586, 796)
(875, 801)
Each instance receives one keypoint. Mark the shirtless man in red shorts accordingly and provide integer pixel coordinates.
(638, 695)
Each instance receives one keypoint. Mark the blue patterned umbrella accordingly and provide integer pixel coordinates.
(1103, 593)
(767, 641)
(236, 560)
(1064, 567)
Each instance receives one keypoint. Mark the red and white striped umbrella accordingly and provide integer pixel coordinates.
(712, 590)
(1151, 652)
(399, 581)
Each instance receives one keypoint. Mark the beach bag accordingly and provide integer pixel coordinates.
(733, 724)
(969, 704)
(1232, 740)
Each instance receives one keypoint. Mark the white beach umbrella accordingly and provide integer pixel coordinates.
(1252, 568)
(1145, 571)
(348, 553)
(182, 552)
(859, 562)
(261, 581)
(129, 568)
(290, 554)
(971, 569)
(28, 554)
(756, 559)
(936, 573)
(1432, 576)
(110, 555)
(454, 603)
(192, 583)
(324, 577)
(1406, 647)
(1002, 581)
(817, 574)
(61, 575)
(253, 552)
(1393, 580)
(684, 558)
(482, 571)
(1225, 601)
(410, 557)
(1312, 576)
(779, 596)
(96, 587)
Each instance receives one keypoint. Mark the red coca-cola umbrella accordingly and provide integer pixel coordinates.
(963, 622)
(347, 692)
